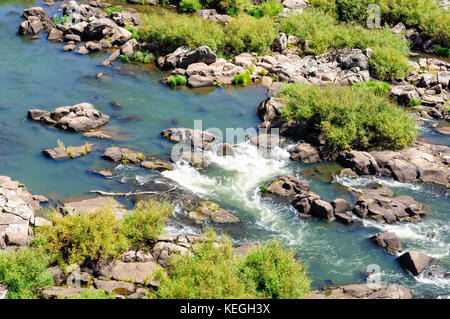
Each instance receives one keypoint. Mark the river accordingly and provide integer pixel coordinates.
(38, 74)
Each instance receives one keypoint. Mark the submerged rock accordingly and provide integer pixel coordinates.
(209, 210)
(59, 153)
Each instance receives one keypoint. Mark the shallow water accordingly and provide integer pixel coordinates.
(38, 74)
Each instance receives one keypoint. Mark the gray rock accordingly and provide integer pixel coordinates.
(117, 287)
(305, 153)
(321, 209)
(288, 186)
(340, 206)
(202, 54)
(390, 241)
(192, 137)
(415, 261)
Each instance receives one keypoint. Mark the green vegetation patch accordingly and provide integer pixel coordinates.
(190, 5)
(172, 30)
(377, 87)
(268, 271)
(274, 273)
(244, 78)
(423, 14)
(246, 34)
(349, 117)
(269, 8)
(324, 32)
(177, 80)
(82, 238)
(24, 272)
(146, 223)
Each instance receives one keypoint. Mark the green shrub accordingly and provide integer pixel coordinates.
(274, 272)
(243, 78)
(94, 294)
(379, 88)
(211, 272)
(134, 32)
(269, 8)
(349, 118)
(177, 80)
(424, 14)
(172, 30)
(246, 34)
(414, 102)
(146, 223)
(61, 20)
(24, 272)
(83, 238)
(190, 5)
(207, 273)
(389, 64)
(110, 10)
(234, 7)
(442, 51)
(324, 32)
(144, 57)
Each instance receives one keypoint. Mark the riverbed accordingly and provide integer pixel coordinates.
(38, 74)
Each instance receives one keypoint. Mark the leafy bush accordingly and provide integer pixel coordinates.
(83, 238)
(324, 32)
(61, 20)
(424, 14)
(208, 273)
(389, 64)
(24, 272)
(379, 88)
(134, 32)
(146, 223)
(190, 5)
(173, 30)
(246, 34)
(269, 8)
(274, 272)
(442, 51)
(348, 117)
(234, 7)
(110, 10)
(177, 80)
(144, 57)
(211, 271)
(243, 78)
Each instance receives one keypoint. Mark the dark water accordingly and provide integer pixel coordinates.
(38, 74)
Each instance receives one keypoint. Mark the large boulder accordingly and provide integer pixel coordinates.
(305, 153)
(59, 153)
(288, 186)
(96, 28)
(415, 261)
(31, 26)
(196, 138)
(363, 163)
(35, 12)
(321, 209)
(202, 54)
(270, 109)
(209, 210)
(75, 118)
(353, 58)
(390, 241)
(124, 155)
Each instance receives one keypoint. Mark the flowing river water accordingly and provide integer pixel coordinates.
(38, 74)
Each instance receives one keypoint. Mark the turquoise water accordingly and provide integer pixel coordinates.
(38, 74)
